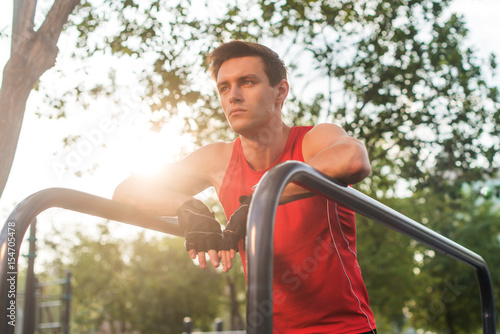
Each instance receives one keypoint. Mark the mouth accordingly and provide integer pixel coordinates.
(233, 111)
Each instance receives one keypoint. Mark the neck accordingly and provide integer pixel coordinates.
(262, 150)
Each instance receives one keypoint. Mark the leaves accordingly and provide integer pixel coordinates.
(398, 75)
(147, 285)
(394, 73)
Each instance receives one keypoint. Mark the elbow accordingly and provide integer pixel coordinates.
(118, 194)
(360, 169)
(364, 170)
(360, 166)
(122, 193)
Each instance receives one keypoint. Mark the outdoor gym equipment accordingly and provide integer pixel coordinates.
(259, 245)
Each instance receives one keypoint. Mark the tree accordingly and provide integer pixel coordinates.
(406, 84)
(395, 74)
(147, 285)
(386, 261)
(447, 295)
(410, 284)
(32, 53)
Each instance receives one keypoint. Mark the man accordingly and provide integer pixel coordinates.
(317, 282)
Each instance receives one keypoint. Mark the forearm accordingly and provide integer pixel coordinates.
(149, 197)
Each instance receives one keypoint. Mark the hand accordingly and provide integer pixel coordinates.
(236, 229)
(201, 230)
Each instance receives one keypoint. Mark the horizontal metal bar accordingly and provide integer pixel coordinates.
(51, 303)
(260, 231)
(25, 212)
(50, 325)
(52, 283)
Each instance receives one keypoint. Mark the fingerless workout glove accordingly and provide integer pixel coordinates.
(236, 228)
(201, 230)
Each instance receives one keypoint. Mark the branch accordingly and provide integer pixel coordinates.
(32, 54)
(23, 22)
(57, 17)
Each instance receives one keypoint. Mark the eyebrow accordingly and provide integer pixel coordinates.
(240, 79)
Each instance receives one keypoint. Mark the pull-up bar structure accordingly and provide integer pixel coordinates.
(259, 239)
(24, 214)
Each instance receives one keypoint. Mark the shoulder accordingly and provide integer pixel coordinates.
(320, 137)
(218, 147)
(209, 157)
(326, 130)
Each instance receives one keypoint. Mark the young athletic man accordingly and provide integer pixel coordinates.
(317, 285)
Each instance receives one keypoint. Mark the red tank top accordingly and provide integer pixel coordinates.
(317, 283)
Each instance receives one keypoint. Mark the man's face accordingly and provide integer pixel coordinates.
(248, 100)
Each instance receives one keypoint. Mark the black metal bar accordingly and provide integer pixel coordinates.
(25, 212)
(30, 302)
(260, 230)
(67, 296)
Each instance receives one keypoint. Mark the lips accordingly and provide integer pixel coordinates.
(234, 111)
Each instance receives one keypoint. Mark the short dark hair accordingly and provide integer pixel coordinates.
(273, 65)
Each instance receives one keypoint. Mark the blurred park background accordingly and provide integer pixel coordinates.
(417, 81)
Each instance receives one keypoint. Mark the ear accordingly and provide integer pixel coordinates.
(283, 89)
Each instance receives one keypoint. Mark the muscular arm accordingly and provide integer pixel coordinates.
(329, 149)
(162, 194)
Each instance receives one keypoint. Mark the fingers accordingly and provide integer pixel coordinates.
(192, 254)
(214, 258)
(224, 256)
(202, 261)
(227, 263)
(227, 257)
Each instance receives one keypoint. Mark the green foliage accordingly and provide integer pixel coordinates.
(147, 285)
(393, 73)
(386, 261)
(409, 283)
(449, 294)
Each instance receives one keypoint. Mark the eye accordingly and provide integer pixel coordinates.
(223, 89)
(247, 83)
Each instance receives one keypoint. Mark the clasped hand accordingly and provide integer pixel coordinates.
(204, 235)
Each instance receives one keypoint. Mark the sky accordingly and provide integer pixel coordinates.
(39, 163)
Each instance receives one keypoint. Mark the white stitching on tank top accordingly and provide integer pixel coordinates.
(342, 264)
(342, 232)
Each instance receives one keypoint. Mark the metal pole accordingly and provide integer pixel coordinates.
(30, 299)
(67, 296)
(218, 325)
(12, 233)
(188, 325)
(260, 231)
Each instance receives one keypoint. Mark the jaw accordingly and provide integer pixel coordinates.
(264, 131)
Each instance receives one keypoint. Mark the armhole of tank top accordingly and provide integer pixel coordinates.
(300, 141)
(230, 166)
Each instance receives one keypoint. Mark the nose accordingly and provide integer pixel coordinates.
(235, 94)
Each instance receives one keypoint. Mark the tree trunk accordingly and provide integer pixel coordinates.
(236, 318)
(449, 322)
(32, 53)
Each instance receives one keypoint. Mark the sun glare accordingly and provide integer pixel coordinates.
(138, 150)
(154, 150)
